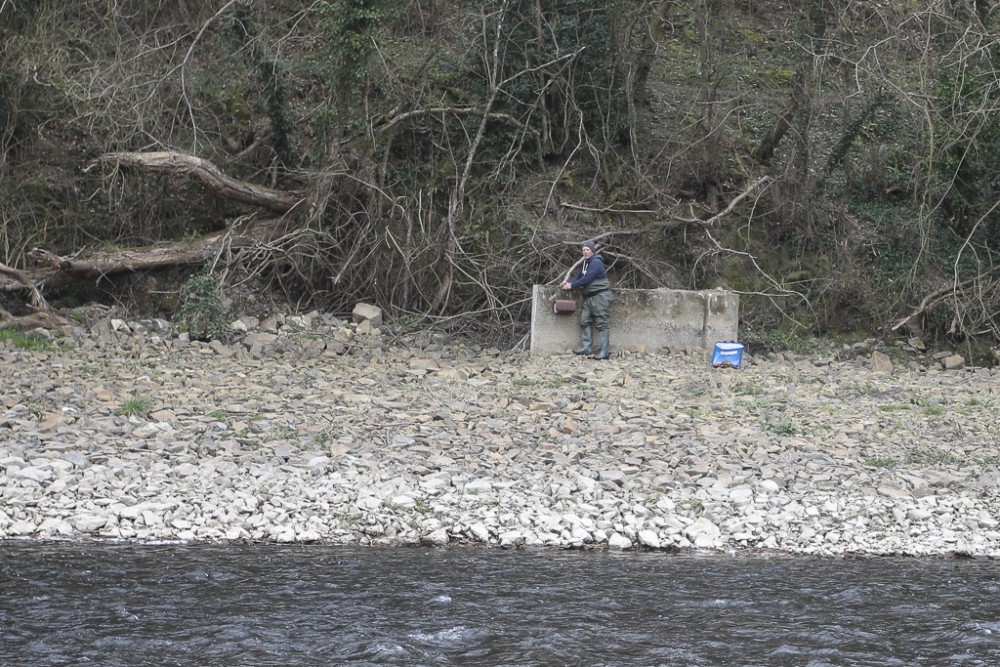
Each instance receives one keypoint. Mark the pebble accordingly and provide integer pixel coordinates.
(344, 436)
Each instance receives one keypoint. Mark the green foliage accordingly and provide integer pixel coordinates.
(26, 341)
(349, 26)
(203, 312)
(854, 130)
(966, 169)
(779, 339)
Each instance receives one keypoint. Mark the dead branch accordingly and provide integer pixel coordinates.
(207, 174)
(675, 220)
(455, 111)
(608, 209)
(37, 300)
(934, 298)
(718, 216)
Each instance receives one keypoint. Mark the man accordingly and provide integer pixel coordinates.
(597, 297)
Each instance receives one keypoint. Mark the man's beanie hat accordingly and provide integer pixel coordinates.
(589, 244)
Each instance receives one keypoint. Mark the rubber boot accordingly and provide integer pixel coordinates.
(587, 344)
(604, 352)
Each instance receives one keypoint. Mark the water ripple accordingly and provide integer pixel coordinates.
(111, 605)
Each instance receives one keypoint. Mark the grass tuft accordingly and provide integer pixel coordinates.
(782, 427)
(137, 406)
(881, 462)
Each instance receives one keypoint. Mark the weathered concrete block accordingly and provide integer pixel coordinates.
(640, 320)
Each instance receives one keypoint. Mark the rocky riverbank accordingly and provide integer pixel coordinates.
(313, 429)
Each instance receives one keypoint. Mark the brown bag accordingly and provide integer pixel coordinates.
(562, 306)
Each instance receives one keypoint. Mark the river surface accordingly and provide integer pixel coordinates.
(130, 605)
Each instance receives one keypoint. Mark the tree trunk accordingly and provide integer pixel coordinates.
(61, 271)
(207, 174)
(43, 319)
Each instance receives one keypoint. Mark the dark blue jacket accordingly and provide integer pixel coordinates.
(593, 277)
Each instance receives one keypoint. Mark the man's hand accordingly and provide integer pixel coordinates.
(566, 285)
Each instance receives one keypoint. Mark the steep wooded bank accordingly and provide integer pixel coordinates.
(833, 161)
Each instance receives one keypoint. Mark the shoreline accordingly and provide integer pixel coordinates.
(311, 429)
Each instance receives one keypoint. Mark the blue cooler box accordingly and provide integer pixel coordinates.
(727, 355)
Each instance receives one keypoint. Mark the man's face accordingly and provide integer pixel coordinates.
(587, 252)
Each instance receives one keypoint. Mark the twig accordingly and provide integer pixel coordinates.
(934, 297)
(577, 207)
(736, 200)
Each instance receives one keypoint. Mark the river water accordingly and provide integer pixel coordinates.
(122, 604)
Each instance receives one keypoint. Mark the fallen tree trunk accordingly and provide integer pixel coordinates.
(58, 271)
(44, 319)
(207, 174)
(18, 277)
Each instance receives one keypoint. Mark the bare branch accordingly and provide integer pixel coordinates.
(457, 111)
(183, 66)
(623, 211)
(37, 300)
(729, 209)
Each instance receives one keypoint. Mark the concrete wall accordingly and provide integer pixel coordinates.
(640, 320)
